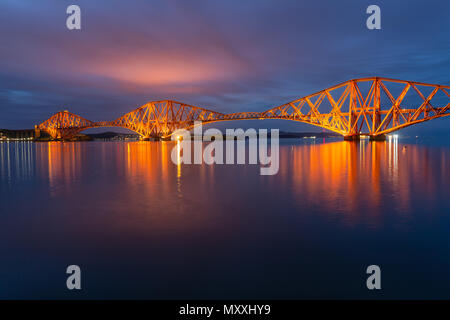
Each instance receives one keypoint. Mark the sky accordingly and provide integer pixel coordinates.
(228, 56)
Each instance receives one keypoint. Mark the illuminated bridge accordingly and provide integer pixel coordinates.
(367, 106)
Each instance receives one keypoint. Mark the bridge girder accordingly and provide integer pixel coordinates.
(370, 106)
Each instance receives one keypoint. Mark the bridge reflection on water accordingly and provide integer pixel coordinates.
(343, 179)
(144, 227)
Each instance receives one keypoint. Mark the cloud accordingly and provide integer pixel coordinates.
(225, 55)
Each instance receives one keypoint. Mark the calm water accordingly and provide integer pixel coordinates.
(140, 226)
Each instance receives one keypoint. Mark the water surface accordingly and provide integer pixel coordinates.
(140, 226)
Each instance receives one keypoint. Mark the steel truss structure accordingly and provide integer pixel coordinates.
(367, 106)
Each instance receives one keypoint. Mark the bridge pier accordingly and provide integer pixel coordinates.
(357, 137)
(380, 137)
(154, 138)
(37, 132)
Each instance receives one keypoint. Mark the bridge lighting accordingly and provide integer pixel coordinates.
(161, 118)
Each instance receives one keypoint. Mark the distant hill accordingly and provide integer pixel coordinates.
(288, 135)
(283, 135)
(112, 135)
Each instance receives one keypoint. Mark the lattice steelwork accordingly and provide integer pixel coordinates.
(64, 125)
(161, 118)
(354, 111)
(370, 106)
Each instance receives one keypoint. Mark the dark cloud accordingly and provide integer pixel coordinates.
(226, 55)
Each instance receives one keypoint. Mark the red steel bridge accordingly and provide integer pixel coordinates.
(367, 106)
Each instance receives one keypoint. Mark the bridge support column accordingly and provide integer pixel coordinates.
(380, 137)
(37, 132)
(355, 137)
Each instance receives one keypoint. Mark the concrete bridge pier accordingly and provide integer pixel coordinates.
(37, 132)
(357, 137)
(154, 138)
(380, 137)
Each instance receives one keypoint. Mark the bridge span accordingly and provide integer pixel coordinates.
(367, 106)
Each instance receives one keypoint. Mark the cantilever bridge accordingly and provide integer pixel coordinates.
(367, 106)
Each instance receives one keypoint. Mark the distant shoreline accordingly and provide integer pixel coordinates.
(28, 134)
